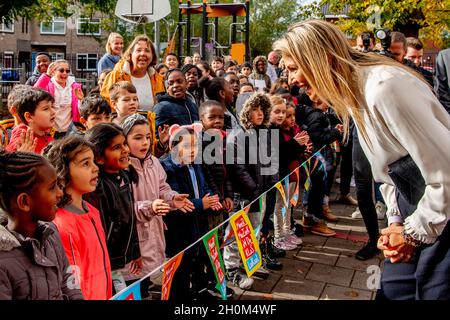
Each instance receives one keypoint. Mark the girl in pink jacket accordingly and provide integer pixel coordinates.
(152, 195)
(67, 94)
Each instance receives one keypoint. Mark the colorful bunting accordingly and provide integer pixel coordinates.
(133, 292)
(247, 243)
(262, 205)
(168, 272)
(283, 196)
(296, 195)
(211, 243)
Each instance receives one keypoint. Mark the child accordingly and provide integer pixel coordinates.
(214, 165)
(315, 122)
(33, 265)
(94, 110)
(152, 195)
(175, 106)
(35, 110)
(191, 72)
(233, 80)
(219, 89)
(67, 93)
(231, 67)
(183, 229)
(246, 88)
(217, 66)
(290, 149)
(114, 199)
(78, 222)
(124, 100)
(246, 69)
(14, 97)
(251, 179)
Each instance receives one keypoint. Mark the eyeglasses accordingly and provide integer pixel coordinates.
(62, 70)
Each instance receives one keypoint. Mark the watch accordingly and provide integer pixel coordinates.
(409, 240)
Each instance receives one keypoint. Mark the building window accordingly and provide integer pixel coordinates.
(57, 26)
(6, 26)
(86, 26)
(56, 55)
(86, 61)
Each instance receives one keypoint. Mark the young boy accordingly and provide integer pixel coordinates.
(35, 111)
(217, 66)
(93, 110)
(14, 95)
(246, 69)
(124, 100)
(246, 87)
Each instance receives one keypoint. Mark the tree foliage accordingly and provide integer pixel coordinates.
(431, 17)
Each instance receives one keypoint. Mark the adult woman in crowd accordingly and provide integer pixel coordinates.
(137, 67)
(114, 47)
(404, 131)
(67, 94)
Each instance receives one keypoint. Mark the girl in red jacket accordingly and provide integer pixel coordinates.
(79, 222)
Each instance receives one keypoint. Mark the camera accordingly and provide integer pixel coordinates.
(365, 36)
(384, 35)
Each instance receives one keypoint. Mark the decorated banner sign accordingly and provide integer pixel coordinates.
(295, 196)
(247, 243)
(132, 292)
(211, 243)
(168, 272)
(283, 196)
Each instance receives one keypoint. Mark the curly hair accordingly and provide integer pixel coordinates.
(60, 153)
(256, 100)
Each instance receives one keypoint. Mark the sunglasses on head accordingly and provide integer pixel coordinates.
(62, 70)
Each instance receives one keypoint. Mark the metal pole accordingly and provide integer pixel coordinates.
(204, 32)
(233, 31)
(188, 30)
(247, 30)
(180, 31)
(216, 31)
(157, 38)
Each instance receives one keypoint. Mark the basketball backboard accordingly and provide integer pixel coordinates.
(142, 11)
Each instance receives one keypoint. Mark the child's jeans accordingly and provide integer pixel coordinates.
(231, 256)
(282, 225)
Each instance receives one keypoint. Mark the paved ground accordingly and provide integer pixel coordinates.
(322, 268)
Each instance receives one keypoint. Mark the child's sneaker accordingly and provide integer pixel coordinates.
(293, 239)
(238, 278)
(282, 244)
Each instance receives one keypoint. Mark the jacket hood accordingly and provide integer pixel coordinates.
(256, 60)
(7, 240)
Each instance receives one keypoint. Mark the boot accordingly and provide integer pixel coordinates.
(328, 214)
(268, 261)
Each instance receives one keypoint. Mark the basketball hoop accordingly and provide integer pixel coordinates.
(142, 11)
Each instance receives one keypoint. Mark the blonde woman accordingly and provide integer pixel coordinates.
(401, 125)
(114, 47)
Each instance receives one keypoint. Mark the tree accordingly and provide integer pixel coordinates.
(430, 17)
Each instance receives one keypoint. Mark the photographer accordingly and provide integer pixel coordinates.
(365, 41)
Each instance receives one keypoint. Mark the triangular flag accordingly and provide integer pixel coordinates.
(283, 196)
(247, 242)
(247, 209)
(262, 205)
(133, 292)
(228, 238)
(211, 243)
(296, 195)
(168, 272)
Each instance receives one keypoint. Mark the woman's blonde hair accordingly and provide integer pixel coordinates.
(111, 37)
(129, 51)
(332, 68)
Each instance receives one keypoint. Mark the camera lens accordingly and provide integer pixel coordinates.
(381, 34)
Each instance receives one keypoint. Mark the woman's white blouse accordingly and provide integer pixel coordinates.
(404, 117)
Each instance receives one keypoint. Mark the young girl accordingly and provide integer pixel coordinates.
(79, 222)
(153, 196)
(67, 94)
(183, 229)
(220, 90)
(114, 199)
(289, 150)
(33, 265)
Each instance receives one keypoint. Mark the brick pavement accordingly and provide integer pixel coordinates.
(321, 268)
